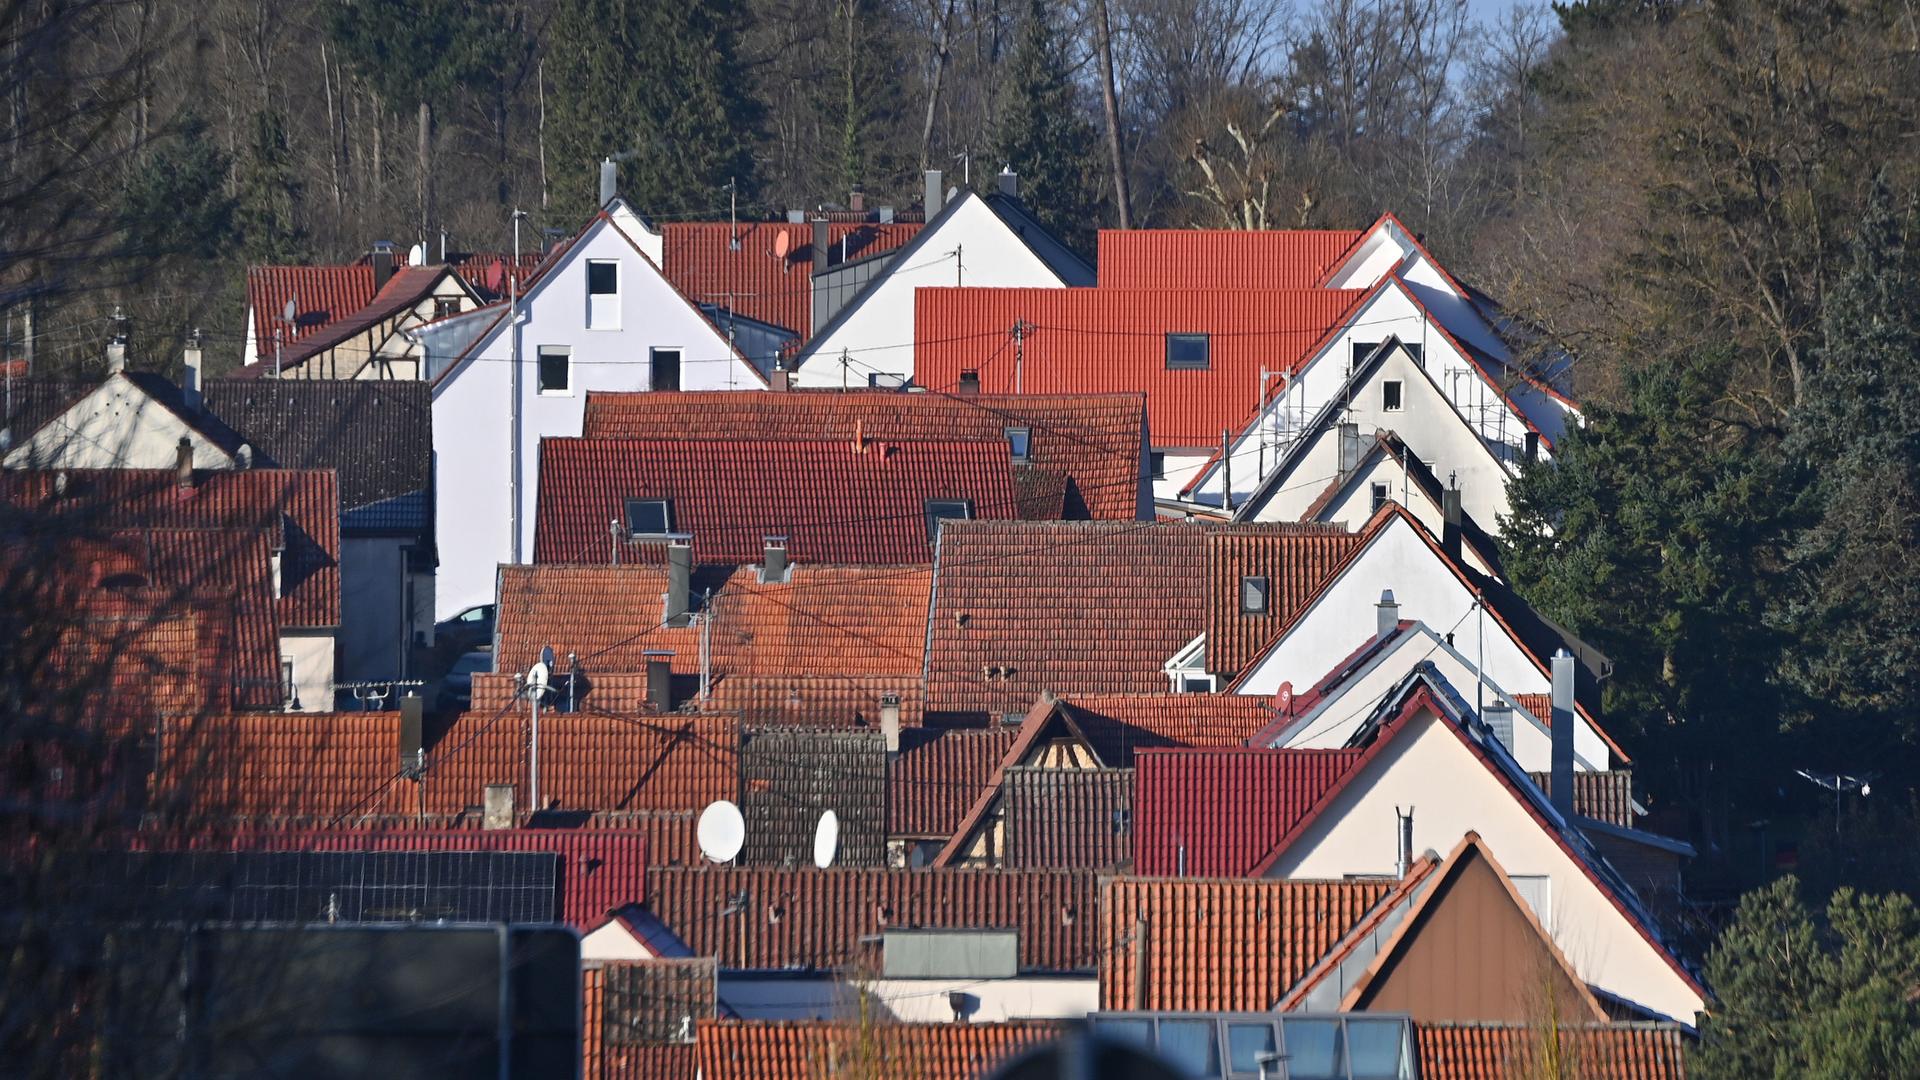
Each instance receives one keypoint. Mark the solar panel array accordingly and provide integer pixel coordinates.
(339, 886)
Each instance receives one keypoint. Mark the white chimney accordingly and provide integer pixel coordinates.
(1009, 182)
(936, 194)
(890, 721)
(190, 387)
(1560, 782)
(609, 180)
(1386, 615)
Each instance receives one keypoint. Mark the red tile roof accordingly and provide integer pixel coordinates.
(808, 1050)
(1105, 340)
(275, 766)
(1091, 440)
(702, 261)
(1604, 796)
(322, 295)
(822, 919)
(824, 620)
(1072, 607)
(636, 1012)
(405, 290)
(1067, 819)
(1220, 258)
(1118, 725)
(1178, 795)
(1230, 945)
(487, 272)
(601, 870)
(1293, 558)
(939, 775)
(834, 503)
(1498, 1051)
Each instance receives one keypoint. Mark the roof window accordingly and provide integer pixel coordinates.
(1188, 352)
(939, 510)
(649, 517)
(1019, 441)
(1256, 594)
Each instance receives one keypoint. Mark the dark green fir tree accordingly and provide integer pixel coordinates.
(1044, 135)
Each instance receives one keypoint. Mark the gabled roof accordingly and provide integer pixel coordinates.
(322, 295)
(789, 777)
(1389, 446)
(1107, 340)
(1220, 258)
(1293, 559)
(1216, 944)
(377, 435)
(809, 1049)
(408, 286)
(1604, 1052)
(822, 920)
(1092, 440)
(836, 502)
(734, 266)
(1072, 607)
(39, 403)
(1179, 795)
(939, 775)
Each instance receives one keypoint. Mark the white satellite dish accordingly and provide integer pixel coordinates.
(292, 309)
(826, 840)
(417, 255)
(721, 831)
(539, 676)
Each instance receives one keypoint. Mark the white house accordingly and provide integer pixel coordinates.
(598, 316)
(1384, 470)
(969, 239)
(1430, 762)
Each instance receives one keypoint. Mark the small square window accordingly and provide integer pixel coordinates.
(1019, 441)
(1361, 350)
(939, 510)
(1196, 684)
(1379, 497)
(649, 517)
(1255, 594)
(1157, 466)
(603, 278)
(666, 369)
(1391, 395)
(1187, 352)
(886, 380)
(444, 306)
(556, 370)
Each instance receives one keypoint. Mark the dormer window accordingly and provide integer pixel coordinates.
(970, 381)
(886, 380)
(1188, 352)
(939, 510)
(603, 295)
(1256, 595)
(649, 517)
(1019, 441)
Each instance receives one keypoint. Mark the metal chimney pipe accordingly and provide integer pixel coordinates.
(1386, 615)
(609, 180)
(936, 194)
(1403, 860)
(820, 250)
(1561, 779)
(679, 579)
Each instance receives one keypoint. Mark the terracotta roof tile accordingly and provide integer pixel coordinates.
(1119, 724)
(1234, 945)
(817, 700)
(267, 766)
(1092, 440)
(1604, 796)
(1178, 793)
(1220, 258)
(823, 919)
(703, 261)
(807, 1049)
(789, 777)
(1104, 340)
(824, 620)
(1072, 607)
(1497, 1051)
(939, 775)
(833, 503)
(1292, 559)
(641, 1015)
(322, 295)
(1067, 819)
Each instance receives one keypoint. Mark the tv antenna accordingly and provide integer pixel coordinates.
(721, 831)
(826, 839)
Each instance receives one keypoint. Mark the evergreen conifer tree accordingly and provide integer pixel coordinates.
(176, 203)
(1043, 135)
(268, 216)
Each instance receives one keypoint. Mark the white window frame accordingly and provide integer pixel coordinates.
(603, 309)
(679, 368)
(540, 356)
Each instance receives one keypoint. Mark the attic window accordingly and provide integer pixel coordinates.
(939, 510)
(1255, 595)
(1187, 352)
(1379, 497)
(886, 380)
(1019, 441)
(649, 517)
(1417, 351)
(603, 295)
(1392, 393)
(444, 306)
(1156, 466)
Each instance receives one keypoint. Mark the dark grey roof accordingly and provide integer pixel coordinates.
(38, 402)
(377, 435)
(789, 776)
(1067, 819)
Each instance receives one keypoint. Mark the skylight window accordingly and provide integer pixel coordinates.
(1188, 352)
(649, 517)
(1255, 595)
(1019, 441)
(939, 510)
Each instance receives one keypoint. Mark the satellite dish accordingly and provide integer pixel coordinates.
(782, 244)
(826, 839)
(538, 678)
(292, 309)
(721, 831)
(417, 255)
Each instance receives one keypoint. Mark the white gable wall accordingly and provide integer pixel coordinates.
(1353, 507)
(474, 464)
(115, 426)
(877, 330)
(1451, 792)
(1386, 247)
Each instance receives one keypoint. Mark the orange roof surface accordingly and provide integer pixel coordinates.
(322, 295)
(808, 1050)
(939, 775)
(704, 261)
(1093, 441)
(1602, 1051)
(1177, 824)
(1220, 258)
(1216, 944)
(1293, 558)
(1119, 724)
(1105, 340)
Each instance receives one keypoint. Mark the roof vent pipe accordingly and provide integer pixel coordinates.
(936, 194)
(1386, 615)
(1560, 780)
(609, 180)
(679, 579)
(1403, 859)
(660, 680)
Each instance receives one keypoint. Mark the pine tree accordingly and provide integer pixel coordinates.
(176, 204)
(1853, 585)
(270, 193)
(657, 87)
(1043, 134)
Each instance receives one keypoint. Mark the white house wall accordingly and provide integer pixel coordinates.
(475, 468)
(1451, 792)
(1387, 247)
(877, 333)
(1353, 507)
(312, 653)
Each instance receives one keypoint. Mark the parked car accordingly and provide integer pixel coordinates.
(470, 629)
(456, 689)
